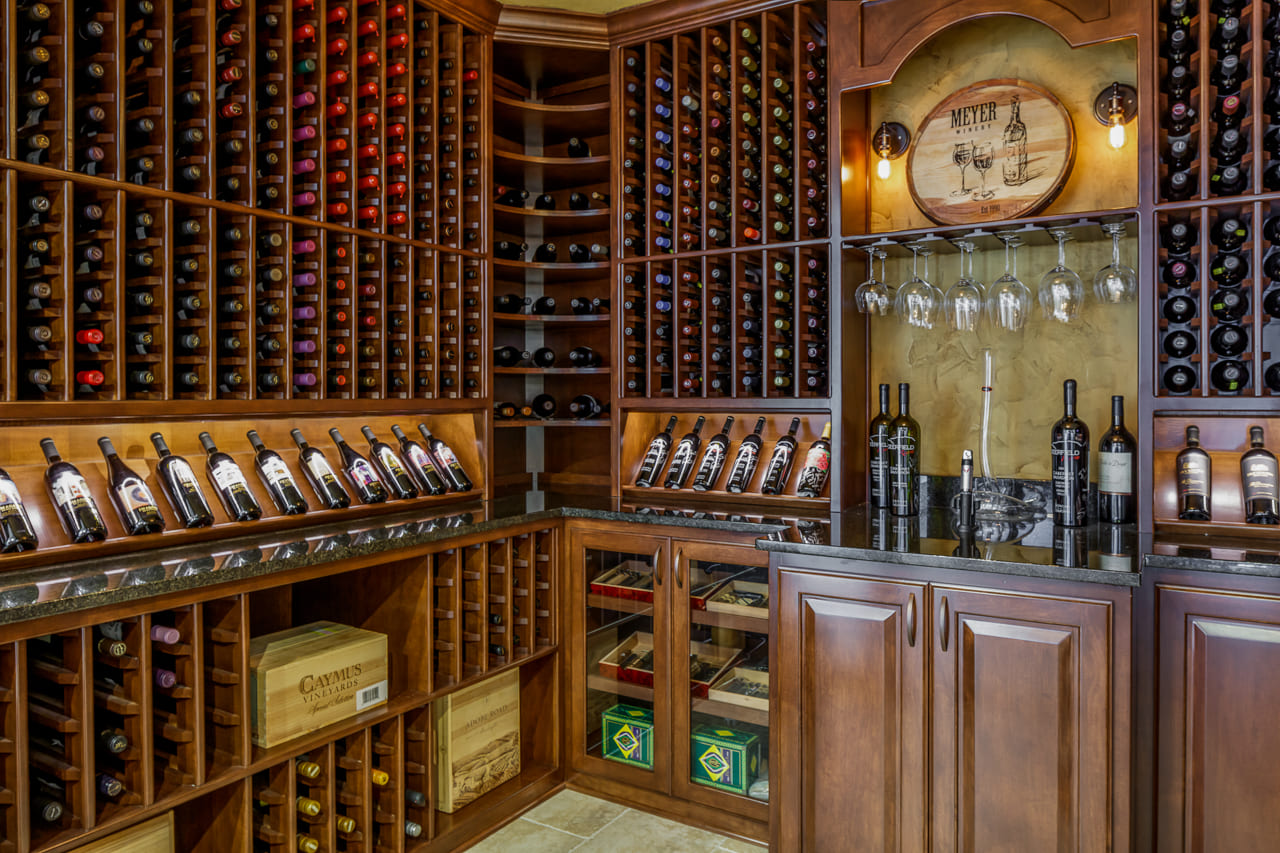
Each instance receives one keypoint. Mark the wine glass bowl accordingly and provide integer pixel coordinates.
(963, 302)
(1061, 291)
(917, 301)
(1008, 299)
(1116, 282)
(983, 159)
(872, 296)
(962, 155)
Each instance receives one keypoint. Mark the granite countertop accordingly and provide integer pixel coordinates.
(1235, 556)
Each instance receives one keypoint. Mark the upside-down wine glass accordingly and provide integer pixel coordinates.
(1009, 300)
(872, 296)
(963, 302)
(1061, 291)
(917, 301)
(1116, 282)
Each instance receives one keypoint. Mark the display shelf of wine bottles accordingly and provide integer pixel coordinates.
(206, 199)
(1200, 479)
(724, 135)
(756, 459)
(185, 506)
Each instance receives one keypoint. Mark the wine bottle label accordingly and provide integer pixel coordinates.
(1259, 479)
(362, 472)
(391, 463)
(743, 465)
(228, 477)
(902, 472)
(683, 457)
(778, 463)
(711, 462)
(1070, 471)
(813, 476)
(880, 463)
(420, 459)
(134, 496)
(446, 456)
(70, 490)
(10, 501)
(276, 473)
(653, 459)
(320, 469)
(184, 476)
(1193, 477)
(1115, 473)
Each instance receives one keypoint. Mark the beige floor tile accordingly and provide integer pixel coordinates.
(577, 813)
(523, 836)
(637, 832)
(733, 845)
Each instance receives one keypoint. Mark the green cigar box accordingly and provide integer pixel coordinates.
(725, 759)
(628, 735)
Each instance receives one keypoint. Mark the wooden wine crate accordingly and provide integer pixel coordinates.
(477, 739)
(154, 836)
(311, 676)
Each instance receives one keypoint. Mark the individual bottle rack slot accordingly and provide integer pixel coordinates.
(177, 698)
(473, 91)
(1179, 72)
(96, 77)
(475, 596)
(423, 324)
(10, 719)
(94, 270)
(397, 84)
(447, 614)
(274, 796)
(44, 87)
(46, 372)
(544, 592)
(226, 690)
(353, 785)
(473, 302)
(1266, 304)
(145, 104)
(397, 287)
(499, 615)
(338, 315)
(267, 44)
(419, 794)
(387, 791)
(277, 285)
(1230, 92)
(145, 273)
(58, 734)
(523, 601)
(342, 114)
(425, 102)
(234, 76)
(121, 662)
(370, 319)
(193, 106)
(310, 104)
(229, 339)
(311, 285)
(448, 153)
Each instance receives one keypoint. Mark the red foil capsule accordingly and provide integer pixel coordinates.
(230, 5)
(368, 90)
(396, 131)
(369, 320)
(397, 189)
(337, 15)
(368, 182)
(90, 336)
(368, 27)
(338, 316)
(367, 214)
(336, 146)
(301, 4)
(338, 208)
(470, 75)
(397, 100)
(369, 57)
(338, 285)
(368, 290)
(231, 74)
(338, 47)
(397, 11)
(306, 32)
(336, 110)
(368, 121)
(395, 69)
(231, 110)
(337, 380)
(397, 40)
(90, 377)
(751, 233)
(336, 78)
(231, 37)
(335, 177)
(364, 152)
(303, 133)
(397, 219)
(397, 158)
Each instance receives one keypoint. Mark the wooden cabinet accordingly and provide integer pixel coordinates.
(1217, 744)
(1007, 704)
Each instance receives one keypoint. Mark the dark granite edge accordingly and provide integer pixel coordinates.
(1211, 564)
(944, 561)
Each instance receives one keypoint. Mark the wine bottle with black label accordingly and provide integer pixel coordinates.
(420, 463)
(1117, 451)
(180, 486)
(1069, 447)
(16, 531)
(904, 458)
(71, 495)
(229, 482)
(315, 467)
(778, 471)
(359, 472)
(277, 477)
(881, 458)
(446, 461)
(1258, 479)
(1195, 480)
(684, 456)
(713, 458)
(746, 460)
(389, 466)
(817, 466)
(656, 456)
(133, 501)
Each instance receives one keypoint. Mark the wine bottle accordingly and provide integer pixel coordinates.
(585, 407)
(817, 466)
(1258, 479)
(684, 456)
(1117, 450)
(542, 406)
(778, 471)
(655, 457)
(229, 482)
(446, 461)
(359, 472)
(713, 458)
(16, 531)
(1229, 376)
(129, 493)
(1195, 480)
(390, 469)
(1179, 379)
(879, 436)
(280, 482)
(71, 495)
(316, 468)
(420, 464)
(904, 458)
(1069, 448)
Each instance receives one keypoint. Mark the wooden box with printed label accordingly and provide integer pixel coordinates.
(311, 676)
(477, 739)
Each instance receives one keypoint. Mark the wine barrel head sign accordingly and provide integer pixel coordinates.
(994, 150)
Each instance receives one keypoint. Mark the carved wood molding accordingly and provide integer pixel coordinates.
(479, 15)
(667, 17)
(553, 27)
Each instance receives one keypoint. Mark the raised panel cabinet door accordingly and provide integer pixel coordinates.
(849, 714)
(1218, 755)
(1022, 723)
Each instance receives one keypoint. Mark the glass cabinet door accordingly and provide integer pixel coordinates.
(726, 687)
(624, 719)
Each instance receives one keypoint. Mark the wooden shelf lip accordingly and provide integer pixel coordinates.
(1236, 528)
(551, 319)
(569, 110)
(549, 173)
(162, 410)
(535, 371)
(791, 503)
(556, 422)
(774, 405)
(544, 160)
(554, 223)
(1032, 230)
(519, 271)
(1235, 406)
(588, 213)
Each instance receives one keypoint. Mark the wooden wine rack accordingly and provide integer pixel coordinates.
(311, 180)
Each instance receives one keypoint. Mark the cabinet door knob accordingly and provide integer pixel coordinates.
(911, 620)
(944, 622)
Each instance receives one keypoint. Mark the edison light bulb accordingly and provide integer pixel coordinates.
(1117, 134)
(883, 168)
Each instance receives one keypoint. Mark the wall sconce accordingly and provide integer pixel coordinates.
(1115, 107)
(890, 142)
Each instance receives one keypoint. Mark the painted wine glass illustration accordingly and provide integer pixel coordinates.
(1116, 282)
(963, 302)
(1061, 291)
(983, 159)
(917, 301)
(961, 155)
(872, 296)
(1009, 300)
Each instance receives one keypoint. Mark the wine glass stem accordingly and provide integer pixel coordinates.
(1115, 249)
(1062, 251)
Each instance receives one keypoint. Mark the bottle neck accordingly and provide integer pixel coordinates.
(1117, 414)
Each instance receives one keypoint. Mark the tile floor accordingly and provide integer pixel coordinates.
(573, 821)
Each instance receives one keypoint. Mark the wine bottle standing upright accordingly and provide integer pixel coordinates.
(1258, 479)
(180, 486)
(746, 460)
(229, 482)
(1117, 499)
(656, 456)
(713, 458)
(446, 461)
(684, 456)
(904, 457)
(133, 501)
(16, 530)
(71, 495)
(276, 476)
(359, 472)
(880, 459)
(778, 471)
(316, 468)
(420, 463)
(1195, 479)
(1069, 448)
(389, 466)
(817, 466)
